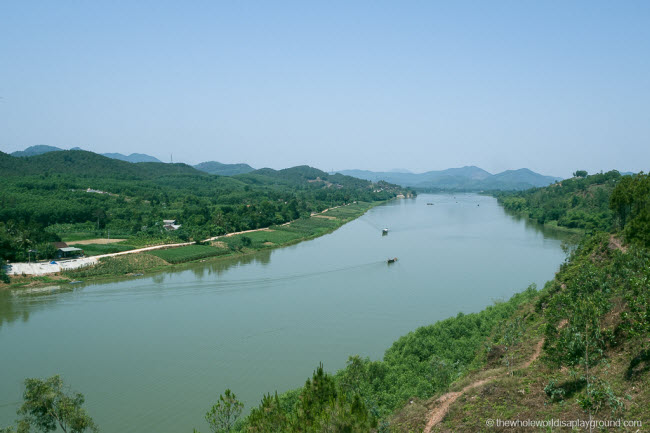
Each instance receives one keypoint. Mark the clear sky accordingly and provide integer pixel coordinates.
(549, 85)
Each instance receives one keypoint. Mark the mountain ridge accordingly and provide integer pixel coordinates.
(467, 178)
(210, 167)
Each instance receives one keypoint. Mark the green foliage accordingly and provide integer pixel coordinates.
(188, 253)
(116, 266)
(47, 407)
(631, 203)
(224, 414)
(4, 278)
(597, 395)
(46, 195)
(580, 173)
(581, 322)
(581, 202)
(321, 405)
(99, 249)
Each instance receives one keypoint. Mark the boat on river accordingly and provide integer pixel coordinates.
(384, 232)
(393, 260)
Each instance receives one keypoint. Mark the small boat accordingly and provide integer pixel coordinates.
(393, 260)
(76, 282)
(138, 275)
(384, 232)
(429, 204)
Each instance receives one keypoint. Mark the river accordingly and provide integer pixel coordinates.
(153, 353)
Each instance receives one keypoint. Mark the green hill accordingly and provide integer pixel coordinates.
(42, 149)
(39, 149)
(582, 203)
(214, 167)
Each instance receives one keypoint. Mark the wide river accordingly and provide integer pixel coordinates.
(152, 354)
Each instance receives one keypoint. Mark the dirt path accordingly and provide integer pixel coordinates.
(615, 244)
(95, 241)
(444, 402)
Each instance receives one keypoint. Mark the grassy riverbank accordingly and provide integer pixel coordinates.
(224, 247)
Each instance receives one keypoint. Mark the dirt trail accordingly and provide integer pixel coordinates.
(616, 244)
(446, 400)
(95, 241)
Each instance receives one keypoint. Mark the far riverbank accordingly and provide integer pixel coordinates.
(135, 263)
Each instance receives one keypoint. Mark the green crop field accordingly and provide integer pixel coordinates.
(97, 249)
(188, 253)
(350, 211)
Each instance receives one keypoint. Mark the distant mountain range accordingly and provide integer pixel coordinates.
(212, 167)
(41, 149)
(469, 178)
(134, 157)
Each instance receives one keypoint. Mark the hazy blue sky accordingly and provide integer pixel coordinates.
(552, 86)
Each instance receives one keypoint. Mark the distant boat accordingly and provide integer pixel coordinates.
(384, 232)
(393, 260)
(76, 282)
(429, 204)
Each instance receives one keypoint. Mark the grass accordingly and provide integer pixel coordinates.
(79, 236)
(262, 239)
(18, 282)
(85, 235)
(98, 249)
(349, 212)
(117, 266)
(188, 253)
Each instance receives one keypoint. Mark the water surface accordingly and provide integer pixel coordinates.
(152, 354)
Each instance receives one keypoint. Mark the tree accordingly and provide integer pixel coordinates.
(3, 275)
(47, 407)
(580, 173)
(223, 415)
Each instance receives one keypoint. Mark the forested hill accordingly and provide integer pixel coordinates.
(87, 164)
(43, 197)
(214, 167)
(580, 202)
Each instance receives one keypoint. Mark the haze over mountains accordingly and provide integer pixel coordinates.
(212, 167)
(468, 178)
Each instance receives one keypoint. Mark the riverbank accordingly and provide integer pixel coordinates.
(137, 262)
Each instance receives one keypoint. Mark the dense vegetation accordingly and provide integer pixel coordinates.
(45, 197)
(580, 202)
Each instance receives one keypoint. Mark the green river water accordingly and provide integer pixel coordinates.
(152, 354)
